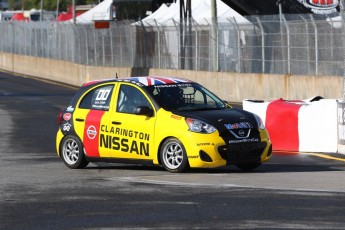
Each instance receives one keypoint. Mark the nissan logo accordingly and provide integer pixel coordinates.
(241, 133)
(91, 132)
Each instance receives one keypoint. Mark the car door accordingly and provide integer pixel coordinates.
(130, 136)
(91, 116)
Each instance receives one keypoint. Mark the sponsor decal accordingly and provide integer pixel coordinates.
(243, 141)
(70, 109)
(174, 85)
(203, 144)
(241, 125)
(66, 127)
(101, 98)
(176, 117)
(124, 144)
(91, 132)
(125, 132)
(193, 157)
(67, 116)
(125, 140)
(321, 6)
(239, 130)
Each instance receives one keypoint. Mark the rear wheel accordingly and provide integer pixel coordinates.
(173, 156)
(248, 167)
(72, 153)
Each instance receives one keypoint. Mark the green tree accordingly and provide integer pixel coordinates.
(14, 5)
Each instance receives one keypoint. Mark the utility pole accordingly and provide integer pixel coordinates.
(214, 34)
(185, 13)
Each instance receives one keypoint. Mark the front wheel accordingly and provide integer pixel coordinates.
(173, 156)
(72, 153)
(248, 167)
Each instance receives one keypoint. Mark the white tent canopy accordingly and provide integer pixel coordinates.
(201, 13)
(100, 12)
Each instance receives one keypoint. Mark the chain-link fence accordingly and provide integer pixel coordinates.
(286, 44)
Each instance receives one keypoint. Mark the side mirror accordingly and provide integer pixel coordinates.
(227, 104)
(144, 110)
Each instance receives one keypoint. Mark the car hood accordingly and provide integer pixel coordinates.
(223, 119)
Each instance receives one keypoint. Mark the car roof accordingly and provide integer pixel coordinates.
(142, 80)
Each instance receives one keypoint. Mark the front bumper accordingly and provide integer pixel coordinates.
(246, 153)
(210, 150)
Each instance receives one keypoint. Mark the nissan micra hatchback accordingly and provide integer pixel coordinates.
(164, 121)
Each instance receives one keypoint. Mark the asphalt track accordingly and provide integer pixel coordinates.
(37, 191)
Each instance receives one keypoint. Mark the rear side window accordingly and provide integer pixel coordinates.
(130, 98)
(98, 98)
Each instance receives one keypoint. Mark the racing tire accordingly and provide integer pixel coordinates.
(248, 166)
(173, 156)
(72, 153)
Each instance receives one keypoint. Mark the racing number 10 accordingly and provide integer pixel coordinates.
(103, 95)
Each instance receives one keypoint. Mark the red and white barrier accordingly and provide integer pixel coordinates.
(304, 126)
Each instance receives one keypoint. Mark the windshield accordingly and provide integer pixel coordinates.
(184, 97)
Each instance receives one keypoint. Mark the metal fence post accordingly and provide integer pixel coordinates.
(308, 42)
(316, 46)
(288, 44)
(159, 44)
(196, 45)
(111, 46)
(239, 55)
(13, 37)
(122, 41)
(25, 41)
(2, 37)
(58, 46)
(132, 45)
(43, 47)
(66, 41)
(48, 41)
(103, 46)
(86, 46)
(262, 45)
(74, 44)
(36, 42)
(178, 43)
(95, 47)
(81, 60)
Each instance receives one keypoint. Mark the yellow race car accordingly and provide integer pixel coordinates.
(165, 121)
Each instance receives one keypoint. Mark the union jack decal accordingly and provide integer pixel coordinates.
(148, 81)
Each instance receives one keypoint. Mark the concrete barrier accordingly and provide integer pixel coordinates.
(303, 126)
(234, 87)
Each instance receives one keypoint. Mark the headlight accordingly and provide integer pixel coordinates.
(198, 126)
(259, 121)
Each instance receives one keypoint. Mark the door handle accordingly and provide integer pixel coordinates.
(79, 119)
(116, 122)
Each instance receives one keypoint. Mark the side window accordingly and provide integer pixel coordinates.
(98, 98)
(129, 99)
